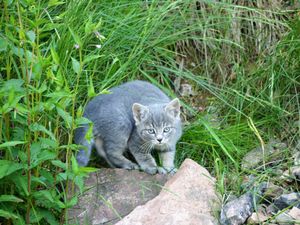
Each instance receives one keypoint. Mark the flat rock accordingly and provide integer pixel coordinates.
(258, 155)
(286, 200)
(287, 176)
(295, 213)
(271, 209)
(113, 193)
(273, 191)
(284, 219)
(295, 170)
(188, 198)
(257, 218)
(237, 212)
(186, 90)
(296, 157)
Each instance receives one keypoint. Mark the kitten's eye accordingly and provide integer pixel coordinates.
(166, 129)
(151, 131)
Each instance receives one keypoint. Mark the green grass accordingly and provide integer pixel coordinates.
(55, 56)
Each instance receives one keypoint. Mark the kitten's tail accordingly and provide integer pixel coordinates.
(83, 155)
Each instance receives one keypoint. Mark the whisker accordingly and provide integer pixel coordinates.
(146, 147)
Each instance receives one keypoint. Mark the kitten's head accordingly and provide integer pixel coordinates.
(156, 124)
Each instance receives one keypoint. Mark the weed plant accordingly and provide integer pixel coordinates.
(56, 55)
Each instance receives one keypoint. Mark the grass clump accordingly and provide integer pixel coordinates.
(55, 56)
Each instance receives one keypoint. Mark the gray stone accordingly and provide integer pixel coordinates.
(295, 170)
(186, 90)
(257, 218)
(271, 209)
(295, 213)
(113, 193)
(248, 182)
(188, 198)
(286, 200)
(294, 129)
(256, 157)
(287, 176)
(237, 211)
(273, 191)
(297, 147)
(284, 219)
(278, 145)
(231, 197)
(296, 157)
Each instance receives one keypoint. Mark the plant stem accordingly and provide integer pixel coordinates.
(26, 78)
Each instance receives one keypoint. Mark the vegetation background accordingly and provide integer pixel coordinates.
(242, 59)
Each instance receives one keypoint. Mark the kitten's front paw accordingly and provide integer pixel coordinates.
(172, 171)
(162, 170)
(150, 170)
(131, 166)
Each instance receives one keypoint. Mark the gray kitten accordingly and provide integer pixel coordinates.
(136, 116)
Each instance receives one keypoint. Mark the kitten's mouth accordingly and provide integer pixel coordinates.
(160, 144)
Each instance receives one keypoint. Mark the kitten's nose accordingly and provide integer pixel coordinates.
(159, 139)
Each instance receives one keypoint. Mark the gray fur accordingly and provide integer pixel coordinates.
(136, 116)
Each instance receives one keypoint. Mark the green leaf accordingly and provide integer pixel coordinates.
(72, 202)
(47, 176)
(79, 112)
(91, 58)
(71, 146)
(59, 95)
(8, 167)
(8, 215)
(75, 65)
(89, 134)
(3, 44)
(38, 181)
(37, 72)
(62, 177)
(75, 37)
(31, 35)
(105, 92)
(74, 165)
(49, 217)
(59, 164)
(22, 156)
(91, 90)
(35, 217)
(43, 195)
(82, 121)
(88, 169)
(54, 55)
(11, 144)
(48, 143)
(43, 156)
(21, 182)
(65, 115)
(12, 84)
(55, 3)
(89, 26)
(79, 181)
(19, 221)
(38, 127)
(9, 198)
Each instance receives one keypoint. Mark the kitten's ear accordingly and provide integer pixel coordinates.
(140, 112)
(173, 108)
